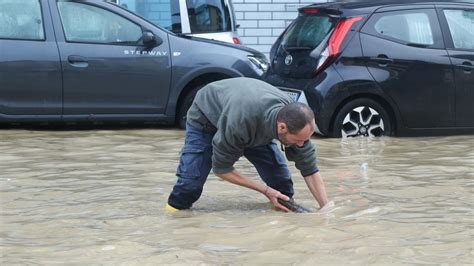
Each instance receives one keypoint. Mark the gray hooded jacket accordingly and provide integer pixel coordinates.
(244, 112)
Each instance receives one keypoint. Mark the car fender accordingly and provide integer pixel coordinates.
(180, 85)
(205, 58)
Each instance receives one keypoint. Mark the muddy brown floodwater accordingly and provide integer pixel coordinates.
(97, 196)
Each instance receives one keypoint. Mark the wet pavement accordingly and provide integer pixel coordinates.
(97, 196)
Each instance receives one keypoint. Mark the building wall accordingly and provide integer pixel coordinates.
(262, 21)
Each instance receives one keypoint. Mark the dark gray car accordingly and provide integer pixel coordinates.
(66, 60)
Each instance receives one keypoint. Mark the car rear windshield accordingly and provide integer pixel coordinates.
(208, 16)
(307, 32)
(205, 16)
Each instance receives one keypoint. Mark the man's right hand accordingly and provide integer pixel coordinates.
(273, 195)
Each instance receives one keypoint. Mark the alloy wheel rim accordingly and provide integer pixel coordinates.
(362, 121)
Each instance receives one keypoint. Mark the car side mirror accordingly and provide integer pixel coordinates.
(150, 40)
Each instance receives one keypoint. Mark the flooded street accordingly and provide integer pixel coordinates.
(98, 196)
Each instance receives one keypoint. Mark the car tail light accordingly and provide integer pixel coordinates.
(236, 40)
(333, 48)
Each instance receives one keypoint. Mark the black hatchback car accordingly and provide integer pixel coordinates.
(382, 67)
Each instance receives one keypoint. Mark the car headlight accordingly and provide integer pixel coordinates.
(259, 64)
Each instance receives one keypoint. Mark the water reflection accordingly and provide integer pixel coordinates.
(97, 196)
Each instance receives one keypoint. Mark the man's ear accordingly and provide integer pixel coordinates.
(282, 127)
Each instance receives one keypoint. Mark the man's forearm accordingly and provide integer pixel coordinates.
(272, 194)
(238, 179)
(316, 185)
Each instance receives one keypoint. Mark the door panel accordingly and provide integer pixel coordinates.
(114, 79)
(106, 69)
(30, 72)
(460, 34)
(463, 65)
(403, 52)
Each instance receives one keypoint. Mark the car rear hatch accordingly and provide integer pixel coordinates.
(312, 41)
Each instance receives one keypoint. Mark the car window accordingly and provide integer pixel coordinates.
(164, 13)
(169, 17)
(90, 24)
(307, 32)
(407, 27)
(21, 19)
(208, 16)
(461, 26)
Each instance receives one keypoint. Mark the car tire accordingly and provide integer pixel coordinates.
(184, 106)
(362, 117)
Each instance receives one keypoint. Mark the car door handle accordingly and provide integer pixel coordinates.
(466, 66)
(382, 60)
(78, 61)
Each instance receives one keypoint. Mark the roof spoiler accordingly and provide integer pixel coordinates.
(313, 10)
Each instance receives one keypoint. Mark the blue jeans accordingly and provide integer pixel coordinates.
(195, 165)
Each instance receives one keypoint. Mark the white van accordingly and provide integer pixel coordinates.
(212, 19)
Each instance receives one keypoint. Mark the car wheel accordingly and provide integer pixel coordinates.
(362, 117)
(184, 107)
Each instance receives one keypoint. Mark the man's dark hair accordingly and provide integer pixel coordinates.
(296, 116)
